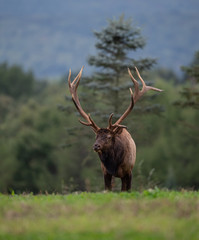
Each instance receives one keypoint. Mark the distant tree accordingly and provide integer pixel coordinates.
(6, 105)
(164, 73)
(15, 82)
(190, 93)
(28, 147)
(114, 46)
(34, 157)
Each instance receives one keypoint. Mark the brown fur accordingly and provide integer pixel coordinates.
(117, 152)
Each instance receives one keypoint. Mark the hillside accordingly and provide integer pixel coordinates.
(51, 36)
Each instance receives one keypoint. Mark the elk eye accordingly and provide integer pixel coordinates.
(108, 137)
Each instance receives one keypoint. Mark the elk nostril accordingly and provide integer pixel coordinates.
(96, 147)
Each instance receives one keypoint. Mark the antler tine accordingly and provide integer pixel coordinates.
(77, 79)
(91, 123)
(73, 90)
(145, 88)
(75, 82)
(110, 121)
(115, 126)
(135, 82)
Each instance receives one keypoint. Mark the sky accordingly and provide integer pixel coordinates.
(51, 36)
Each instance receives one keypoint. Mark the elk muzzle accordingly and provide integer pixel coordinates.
(97, 147)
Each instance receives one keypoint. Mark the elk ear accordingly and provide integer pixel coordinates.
(119, 130)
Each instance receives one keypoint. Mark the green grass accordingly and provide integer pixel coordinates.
(152, 214)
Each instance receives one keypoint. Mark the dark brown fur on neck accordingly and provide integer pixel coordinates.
(117, 153)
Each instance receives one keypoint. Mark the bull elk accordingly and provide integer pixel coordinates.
(114, 144)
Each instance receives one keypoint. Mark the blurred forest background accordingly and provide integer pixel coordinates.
(44, 148)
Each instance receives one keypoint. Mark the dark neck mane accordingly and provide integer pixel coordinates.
(112, 157)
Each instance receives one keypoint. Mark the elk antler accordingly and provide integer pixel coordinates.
(134, 98)
(73, 90)
(117, 125)
(138, 94)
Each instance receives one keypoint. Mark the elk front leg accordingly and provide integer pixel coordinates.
(108, 181)
(126, 182)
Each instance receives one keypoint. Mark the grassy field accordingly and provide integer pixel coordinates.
(152, 214)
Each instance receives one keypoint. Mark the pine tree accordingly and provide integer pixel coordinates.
(115, 44)
(191, 93)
